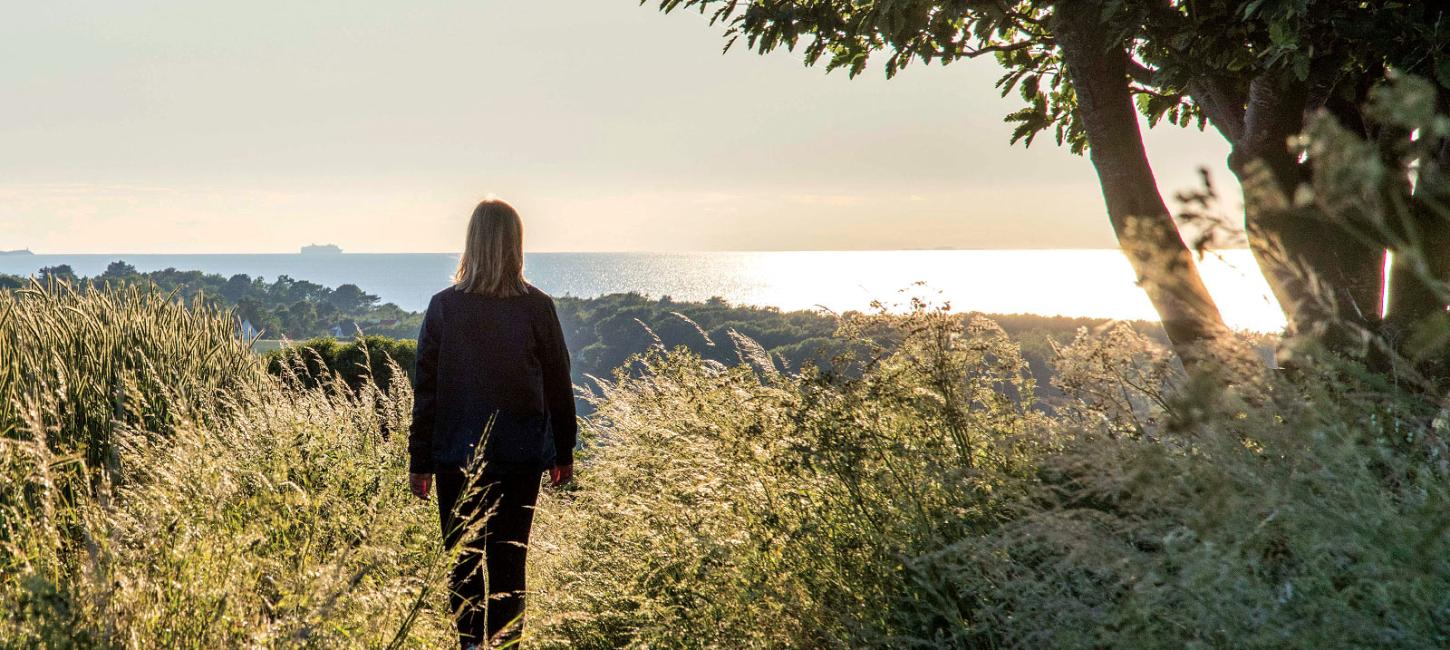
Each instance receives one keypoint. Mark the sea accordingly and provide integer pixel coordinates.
(1093, 283)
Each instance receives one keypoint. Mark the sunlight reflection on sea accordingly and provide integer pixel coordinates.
(1058, 282)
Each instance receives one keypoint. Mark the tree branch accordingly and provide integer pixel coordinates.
(971, 53)
(1222, 104)
(1140, 90)
(1223, 107)
(1139, 72)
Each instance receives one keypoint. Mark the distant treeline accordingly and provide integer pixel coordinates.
(282, 308)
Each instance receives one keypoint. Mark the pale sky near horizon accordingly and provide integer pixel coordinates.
(173, 126)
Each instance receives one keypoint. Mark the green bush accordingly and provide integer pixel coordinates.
(1303, 511)
(364, 359)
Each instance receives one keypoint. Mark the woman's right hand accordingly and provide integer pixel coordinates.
(419, 483)
(560, 475)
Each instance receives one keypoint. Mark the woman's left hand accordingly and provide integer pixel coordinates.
(419, 484)
(560, 475)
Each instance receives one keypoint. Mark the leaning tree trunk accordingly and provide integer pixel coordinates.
(1145, 229)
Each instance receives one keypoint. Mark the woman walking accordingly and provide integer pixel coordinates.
(493, 408)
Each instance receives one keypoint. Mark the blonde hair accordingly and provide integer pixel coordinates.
(493, 254)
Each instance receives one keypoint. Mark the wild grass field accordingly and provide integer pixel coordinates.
(159, 489)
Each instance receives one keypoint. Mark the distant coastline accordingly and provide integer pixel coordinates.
(321, 249)
(17, 252)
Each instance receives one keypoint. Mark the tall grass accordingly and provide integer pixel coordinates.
(74, 366)
(735, 507)
(916, 494)
(159, 489)
(934, 503)
(74, 370)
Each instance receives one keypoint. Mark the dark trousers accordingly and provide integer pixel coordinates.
(500, 536)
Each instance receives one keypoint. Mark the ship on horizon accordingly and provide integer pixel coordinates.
(321, 249)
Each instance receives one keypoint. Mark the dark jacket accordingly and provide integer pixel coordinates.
(498, 364)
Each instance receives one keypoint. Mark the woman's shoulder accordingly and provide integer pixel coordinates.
(537, 296)
(448, 293)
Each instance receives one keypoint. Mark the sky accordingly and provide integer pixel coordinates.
(176, 126)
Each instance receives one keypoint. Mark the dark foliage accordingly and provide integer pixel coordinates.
(367, 358)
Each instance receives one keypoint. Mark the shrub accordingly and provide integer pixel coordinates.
(364, 359)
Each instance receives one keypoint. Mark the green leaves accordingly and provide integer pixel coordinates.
(1177, 108)
(847, 32)
(1030, 121)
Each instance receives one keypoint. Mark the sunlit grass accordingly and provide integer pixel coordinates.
(158, 489)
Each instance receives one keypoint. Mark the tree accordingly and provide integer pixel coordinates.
(58, 273)
(281, 289)
(1251, 69)
(119, 270)
(327, 312)
(301, 318)
(236, 287)
(351, 299)
(1097, 66)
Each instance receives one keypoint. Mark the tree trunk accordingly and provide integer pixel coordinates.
(1418, 294)
(1098, 69)
(1327, 279)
